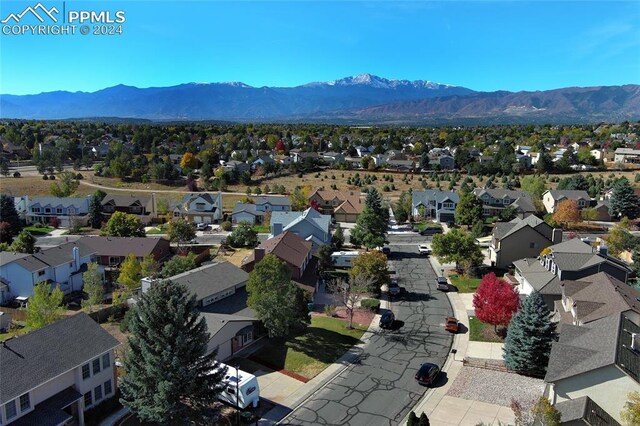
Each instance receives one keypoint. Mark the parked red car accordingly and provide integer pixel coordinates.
(451, 324)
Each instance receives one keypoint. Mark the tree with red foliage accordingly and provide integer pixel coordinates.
(280, 146)
(495, 301)
(315, 205)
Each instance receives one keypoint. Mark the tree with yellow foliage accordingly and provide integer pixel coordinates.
(189, 161)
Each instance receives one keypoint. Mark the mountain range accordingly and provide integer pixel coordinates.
(361, 99)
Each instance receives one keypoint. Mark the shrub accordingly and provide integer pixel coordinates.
(124, 325)
(226, 226)
(371, 304)
(17, 175)
(52, 177)
(45, 177)
(79, 176)
(330, 310)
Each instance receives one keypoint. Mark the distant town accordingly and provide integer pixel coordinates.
(218, 273)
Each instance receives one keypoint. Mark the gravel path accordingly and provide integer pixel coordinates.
(495, 387)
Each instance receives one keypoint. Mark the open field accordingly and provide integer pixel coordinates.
(35, 186)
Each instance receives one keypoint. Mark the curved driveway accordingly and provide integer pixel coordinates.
(381, 389)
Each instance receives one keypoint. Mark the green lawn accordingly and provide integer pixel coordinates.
(481, 332)
(310, 352)
(5, 336)
(39, 231)
(156, 231)
(261, 229)
(465, 285)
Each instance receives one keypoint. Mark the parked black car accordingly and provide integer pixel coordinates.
(386, 250)
(387, 319)
(427, 374)
(431, 231)
(394, 288)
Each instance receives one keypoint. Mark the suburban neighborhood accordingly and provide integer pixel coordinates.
(322, 280)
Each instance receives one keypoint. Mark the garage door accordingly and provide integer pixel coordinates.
(197, 219)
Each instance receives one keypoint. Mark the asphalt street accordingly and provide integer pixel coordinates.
(381, 389)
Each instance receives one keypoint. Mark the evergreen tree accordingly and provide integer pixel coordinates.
(424, 420)
(9, 214)
(413, 419)
(337, 240)
(529, 337)
(24, 243)
(424, 161)
(371, 226)
(624, 201)
(169, 375)
(95, 212)
(278, 302)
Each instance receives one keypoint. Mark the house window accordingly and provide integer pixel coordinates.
(47, 210)
(506, 201)
(86, 373)
(35, 209)
(107, 387)
(246, 338)
(532, 245)
(41, 273)
(25, 402)
(10, 409)
(87, 399)
(447, 205)
(97, 393)
(114, 260)
(106, 361)
(108, 209)
(59, 211)
(135, 209)
(96, 366)
(199, 206)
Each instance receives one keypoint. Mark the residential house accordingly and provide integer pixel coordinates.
(583, 411)
(363, 151)
(285, 160)
(568, 260)
(110, 252)
(60, 266)
(328, 200)
(263, 160)
(240, 154)
(300, 156)
(349, 210)
(442, 162)
(495, 200)
(143, 207)
(292, 250)
(602, 211)
(435, 204)
(599, 360)
(627, 156)
(309, 225)
(594, 297)
(332, 157)
(400, 165)
(253, 213)
(51, 376)
(66, 211)
(552, 198)
(524, 160)
(22, 206)
(520, 238)
(237, 166)
(222, 299)
(202, 207)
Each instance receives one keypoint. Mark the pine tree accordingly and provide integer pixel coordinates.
(169, 375)
(413, 419)
(371, 225)
(529, 337)
(95, 212)
(9, 214)
(24, 243)
(624, 201)
(424, 420)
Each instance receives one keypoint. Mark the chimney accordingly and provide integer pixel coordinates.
(76, 257)
(276, 229)
(635, 342)
(556, 236)
(602, 250)
(258, 254)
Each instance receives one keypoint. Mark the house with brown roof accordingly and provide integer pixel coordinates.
(331, 201)
(143, 207)
(111, 251)
(294, 251)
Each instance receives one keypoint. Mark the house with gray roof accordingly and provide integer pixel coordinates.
(66, 211)
(552, 198)
(569, 260)
(583, 411)
(272, 203)
(51, 376)
(61, 266)
(143, 207)
(435, 204)
(199, 207)
(599, 360)
(495, 200)
(309, 225)
(594, 297)
(519, 239)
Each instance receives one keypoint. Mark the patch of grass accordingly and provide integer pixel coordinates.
(261, 229)
(18, 332)
(156, 231)
(311, 351)
(465, 285)
(481, 332)
(39, 231)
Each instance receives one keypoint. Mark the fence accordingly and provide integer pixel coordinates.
(16, 314)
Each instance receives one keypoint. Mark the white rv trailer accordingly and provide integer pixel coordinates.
(241, 389)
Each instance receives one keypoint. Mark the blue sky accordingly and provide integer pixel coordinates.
(483, 45)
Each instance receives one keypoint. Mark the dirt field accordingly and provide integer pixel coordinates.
(35, 186)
